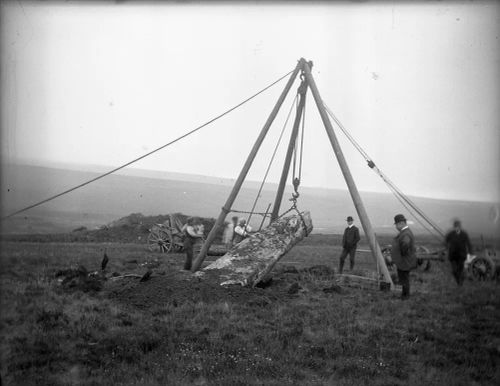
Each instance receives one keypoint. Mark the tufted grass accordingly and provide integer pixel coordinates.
(50, 336)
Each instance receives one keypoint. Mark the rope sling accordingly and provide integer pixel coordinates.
(252, 211)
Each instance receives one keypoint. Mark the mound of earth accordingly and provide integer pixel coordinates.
(133, 228)
(179, 287)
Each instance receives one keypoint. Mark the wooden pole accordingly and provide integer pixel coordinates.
(356, 198)
(246, 167)
(289, 153)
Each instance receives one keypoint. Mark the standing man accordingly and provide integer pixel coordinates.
(458, 244)
(349, 244)
(404, 253)
(191, 236)
(228, 235)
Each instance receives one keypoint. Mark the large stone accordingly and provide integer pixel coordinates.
(253, 259)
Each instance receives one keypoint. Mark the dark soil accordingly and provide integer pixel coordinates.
(179, 287)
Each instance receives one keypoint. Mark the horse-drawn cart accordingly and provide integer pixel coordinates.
(485, 265)
(167, 237)
(424, 256)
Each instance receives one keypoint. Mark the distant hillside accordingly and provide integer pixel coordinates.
(134, 228)
(116, 196)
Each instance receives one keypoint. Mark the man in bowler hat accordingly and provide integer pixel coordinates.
(458, 244)
(404, 253)
(349, 243)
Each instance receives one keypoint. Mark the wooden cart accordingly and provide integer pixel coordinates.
(167, 237)
(485, 265)
(424, 256)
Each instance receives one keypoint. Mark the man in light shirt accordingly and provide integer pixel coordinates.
(241, 231)
(228, 236)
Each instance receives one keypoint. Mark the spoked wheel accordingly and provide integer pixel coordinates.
(159, 240)
(386, 253)
(177, 248)
(177, 244)
(482, 268)
(423, 264)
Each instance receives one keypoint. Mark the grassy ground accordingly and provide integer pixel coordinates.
(51, 335)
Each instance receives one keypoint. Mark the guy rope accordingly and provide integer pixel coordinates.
(409, 205)
(149, 153)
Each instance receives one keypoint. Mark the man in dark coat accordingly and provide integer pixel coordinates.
(458, 244)
(349, 243)
(403, 253)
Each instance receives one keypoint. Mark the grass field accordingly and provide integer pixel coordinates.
(171, 330)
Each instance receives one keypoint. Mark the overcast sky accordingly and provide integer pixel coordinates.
(417, 85)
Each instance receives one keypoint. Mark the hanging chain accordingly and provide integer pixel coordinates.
(302, 90)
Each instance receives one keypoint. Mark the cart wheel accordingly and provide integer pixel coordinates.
(177, 248)
(160, 240)
(386, 253)
(482, 268)
(177, 245)
(423, 264)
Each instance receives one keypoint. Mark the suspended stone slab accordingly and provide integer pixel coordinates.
(252, 260)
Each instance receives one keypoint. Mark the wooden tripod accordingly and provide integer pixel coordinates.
(307, 82)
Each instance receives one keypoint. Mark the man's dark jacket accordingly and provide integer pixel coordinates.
(403, 250)
(458, 245)
(351, 237)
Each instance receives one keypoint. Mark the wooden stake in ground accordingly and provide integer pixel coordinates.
(252, 260)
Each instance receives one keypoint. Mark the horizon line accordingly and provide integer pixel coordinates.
(66, 165)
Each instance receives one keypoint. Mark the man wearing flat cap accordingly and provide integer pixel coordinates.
(349, 243)
(404, 253)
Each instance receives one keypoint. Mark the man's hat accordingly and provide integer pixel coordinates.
(398, 218)
(349, 218)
